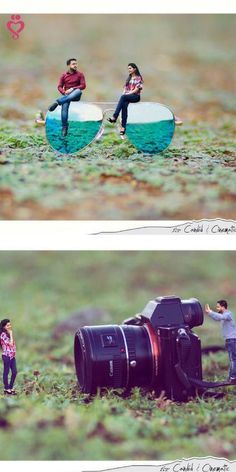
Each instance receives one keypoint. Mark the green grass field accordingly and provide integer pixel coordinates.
(188, 63)
(49, 418)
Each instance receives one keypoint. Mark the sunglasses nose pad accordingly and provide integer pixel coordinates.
(100, 133)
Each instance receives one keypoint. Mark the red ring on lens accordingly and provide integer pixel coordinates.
(154, 348)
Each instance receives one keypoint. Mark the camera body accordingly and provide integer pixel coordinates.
(180, 359)
(155, 350)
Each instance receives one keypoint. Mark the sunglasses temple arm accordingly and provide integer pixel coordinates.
(40, 118)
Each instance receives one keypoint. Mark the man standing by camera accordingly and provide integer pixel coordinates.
(228, 325)
(71, 84)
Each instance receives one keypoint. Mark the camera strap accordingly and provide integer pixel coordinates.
(189, 382)
(204, 384)
(183, 346)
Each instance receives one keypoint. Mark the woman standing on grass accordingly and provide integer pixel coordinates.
(131, 94)
(8, 356)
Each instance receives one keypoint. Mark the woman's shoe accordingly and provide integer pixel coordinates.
(8, 392)
(122, 131)
(111, 120)
(13, 392)
(178, 121)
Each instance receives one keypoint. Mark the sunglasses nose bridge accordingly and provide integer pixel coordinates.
(105, 112)
(105, 107)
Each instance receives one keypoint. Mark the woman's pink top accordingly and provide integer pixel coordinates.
(133, 83)
(8, 349)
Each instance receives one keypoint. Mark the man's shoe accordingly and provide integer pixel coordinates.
(53, 106)
(232, 380)
(64, 131)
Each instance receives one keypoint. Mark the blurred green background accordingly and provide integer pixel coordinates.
(188, 63)
(184, 59)
(50, 419)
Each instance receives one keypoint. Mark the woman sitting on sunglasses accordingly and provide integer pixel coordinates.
(8, 356)
(131, 94)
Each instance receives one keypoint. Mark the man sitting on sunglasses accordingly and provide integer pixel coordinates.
(71, 84)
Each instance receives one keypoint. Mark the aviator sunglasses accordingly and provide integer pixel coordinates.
(150, 126)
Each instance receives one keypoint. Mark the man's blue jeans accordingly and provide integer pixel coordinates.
(9, 364)
(230, 345)
(123, 106)
(64, 101)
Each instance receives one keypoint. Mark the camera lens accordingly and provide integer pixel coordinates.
(193, 314)
(115, 356)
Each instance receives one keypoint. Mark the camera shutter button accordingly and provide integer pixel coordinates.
(133, 363)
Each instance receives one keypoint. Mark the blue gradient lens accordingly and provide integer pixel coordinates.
(84, 122)
(150, 126)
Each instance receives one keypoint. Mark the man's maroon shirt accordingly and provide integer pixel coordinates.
(75, 80)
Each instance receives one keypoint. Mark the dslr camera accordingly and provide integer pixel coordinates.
(155, 350)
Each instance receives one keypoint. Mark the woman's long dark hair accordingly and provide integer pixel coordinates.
(3, 323)
(132, 64)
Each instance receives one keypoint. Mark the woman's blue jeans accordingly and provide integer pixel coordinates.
(9, 364)
(230, 345)
(122, 106)
(64, 101)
